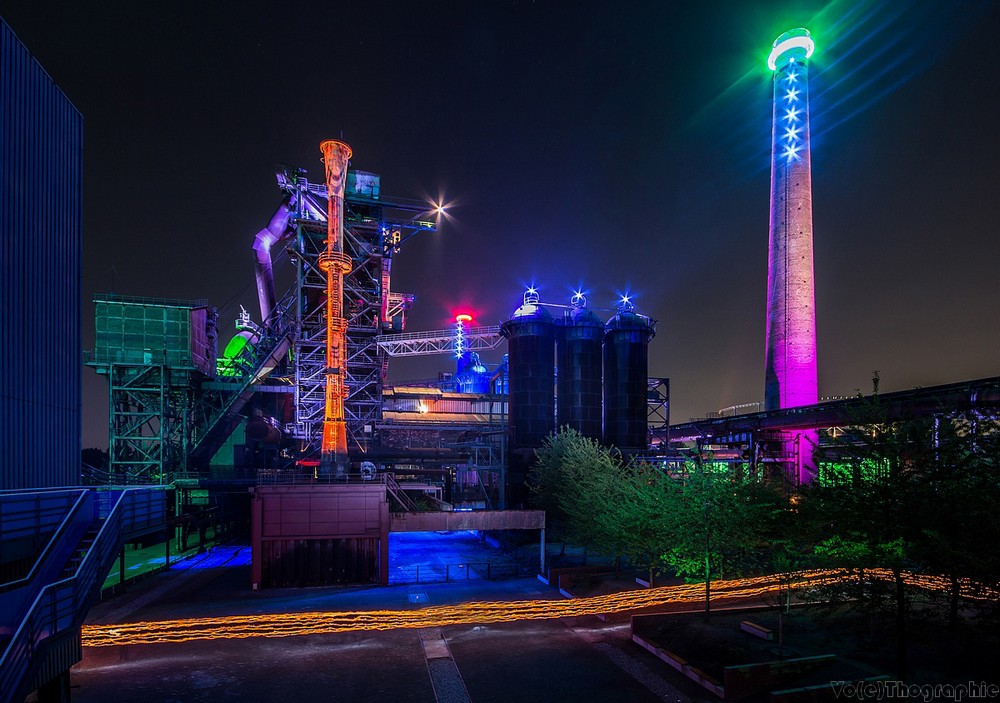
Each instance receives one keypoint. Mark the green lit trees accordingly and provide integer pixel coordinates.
(599, 501)
(720, 519)
(571, 480)
(911, 495)
(703, 523)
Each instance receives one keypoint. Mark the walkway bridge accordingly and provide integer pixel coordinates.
(898, 405)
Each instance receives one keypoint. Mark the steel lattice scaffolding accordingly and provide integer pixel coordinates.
(155, 354)
(140, 445)
(374, 229)
(658, 410)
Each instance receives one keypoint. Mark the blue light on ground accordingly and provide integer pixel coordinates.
(437, 556)
(221, 555)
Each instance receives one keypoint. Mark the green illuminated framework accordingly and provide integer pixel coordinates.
(155, 353)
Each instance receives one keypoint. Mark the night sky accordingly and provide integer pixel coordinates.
(615, 146)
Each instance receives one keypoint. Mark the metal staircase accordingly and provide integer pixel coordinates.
(396, 491)
(43, 611)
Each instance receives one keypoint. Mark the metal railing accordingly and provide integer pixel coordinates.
(61, 606)
(296, 477)
(468, 571)
(301, 477)
(394, 490)
(33, 514)
(438, 341)
(41, 524)
(141, 300)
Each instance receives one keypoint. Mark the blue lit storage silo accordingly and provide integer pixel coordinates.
(531, 342)
(578, 382)
(530, 334)
(626, 367)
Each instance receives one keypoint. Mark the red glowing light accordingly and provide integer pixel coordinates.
(463, 317)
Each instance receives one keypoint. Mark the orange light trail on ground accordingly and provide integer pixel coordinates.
(291, 624)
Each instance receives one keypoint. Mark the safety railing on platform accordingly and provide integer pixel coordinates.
(34, 514)
(143, 511)
(469, 571)
(62, 606)
(296, 477)
(394, 490)
(16, 522)
(293, 477)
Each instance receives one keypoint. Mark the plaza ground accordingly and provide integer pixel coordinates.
(569, 659)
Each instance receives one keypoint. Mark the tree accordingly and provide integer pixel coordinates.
(959, 492)
(718, 517)
(637, 512)
(866, 510)
(546, 481)
(599, 501)
(572, 478)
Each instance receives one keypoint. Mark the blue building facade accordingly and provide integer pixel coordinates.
(41, 211)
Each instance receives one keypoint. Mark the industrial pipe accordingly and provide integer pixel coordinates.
(276, 231)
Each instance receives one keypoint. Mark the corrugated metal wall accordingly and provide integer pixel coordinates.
(41, 176)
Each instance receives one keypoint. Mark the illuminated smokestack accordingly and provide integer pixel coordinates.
(335, 263)
(790, 374)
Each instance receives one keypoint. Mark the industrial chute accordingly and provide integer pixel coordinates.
(279, 229)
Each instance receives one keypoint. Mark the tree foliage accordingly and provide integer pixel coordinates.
(910, 495)
(892, 498)
(721, 520)
(704, 523)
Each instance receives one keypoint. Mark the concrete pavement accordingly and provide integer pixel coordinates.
(572, 659)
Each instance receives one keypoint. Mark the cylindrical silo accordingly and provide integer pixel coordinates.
(530, 334)
(531, 338)
(626, 367)
(578, 383)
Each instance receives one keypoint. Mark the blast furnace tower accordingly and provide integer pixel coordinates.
(790, 374)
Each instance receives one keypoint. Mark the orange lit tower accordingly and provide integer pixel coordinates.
(335, 264)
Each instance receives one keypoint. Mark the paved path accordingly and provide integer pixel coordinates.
(572, 660)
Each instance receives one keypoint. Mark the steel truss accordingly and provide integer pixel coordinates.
(658, 409)
(439, 341)
(374, 230)
(148, 422)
